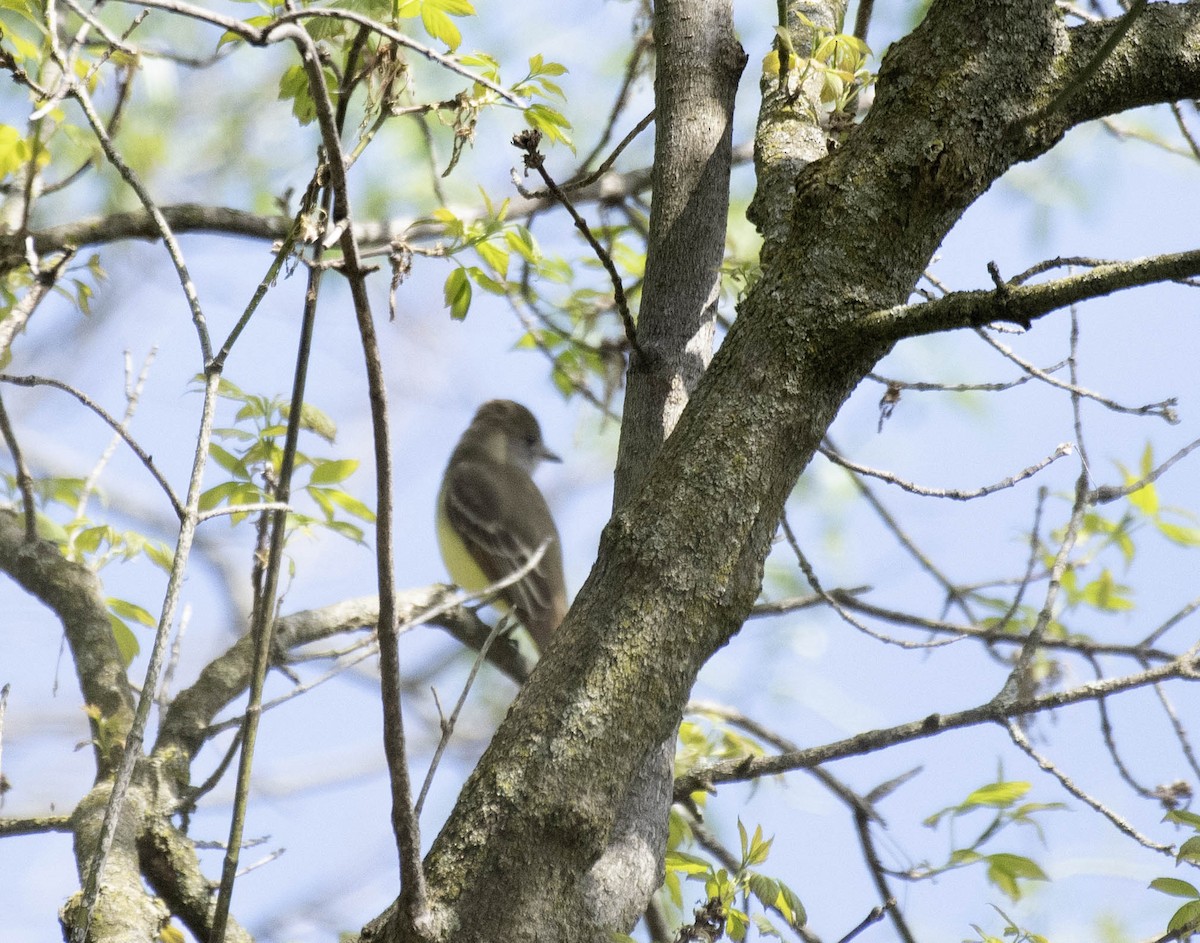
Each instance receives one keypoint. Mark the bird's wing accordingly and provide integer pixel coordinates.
(502, 541)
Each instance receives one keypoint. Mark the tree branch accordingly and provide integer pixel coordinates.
(1023, 304)
(749, 768)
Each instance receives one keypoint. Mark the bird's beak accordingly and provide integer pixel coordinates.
(546, 455)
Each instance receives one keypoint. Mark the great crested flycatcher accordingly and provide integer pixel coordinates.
(491, 517)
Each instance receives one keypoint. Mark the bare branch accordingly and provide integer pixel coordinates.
(1018, 737)
(748, 768)
(112, 423)
(952, 493)
(1023, 304)
(24, 479)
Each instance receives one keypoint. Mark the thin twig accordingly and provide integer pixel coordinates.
(1164, 410)
(743, 769)
(641, 45)
(1107, 493)
(263, 620)
(266, 34)
(1193, 144)
(836, 604)
(135, 736)
(953, 593)
(24, 479)
(528, 141)
(877, 913)
(600, 171)
(1171, 622)
(1125, 827)
(174, 252)
(926, 387)
(133, 395)
(3, 709)
(1181, 733)
(1019, 677)
(1109, 737)
(168, 678)
(1076, 398)
(267, 506)
(117, 427)
(36, 825)
(952, 493)
(44, 280)
(449, 723)
(404, 821)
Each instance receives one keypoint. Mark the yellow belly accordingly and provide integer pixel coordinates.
(459, 563)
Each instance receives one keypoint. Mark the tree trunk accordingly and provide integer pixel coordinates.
(976, 88)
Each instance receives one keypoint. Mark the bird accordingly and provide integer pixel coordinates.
(491, 517)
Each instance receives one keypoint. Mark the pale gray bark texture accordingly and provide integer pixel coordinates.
(959, 101)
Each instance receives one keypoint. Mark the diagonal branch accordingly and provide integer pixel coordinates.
(749, 768)
(1023, 304)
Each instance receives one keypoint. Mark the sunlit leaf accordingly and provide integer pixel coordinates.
(1175, 887)
(331, 472)
(457, 292)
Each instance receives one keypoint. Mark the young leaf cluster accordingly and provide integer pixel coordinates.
(1003, 799)
(93, 544)
(1185, 922)
(252, 455)
(743, 883)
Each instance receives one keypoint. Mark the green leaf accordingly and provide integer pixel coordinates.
(522, 241)
(351, 505)
(1183, 817)
(1185, 919)
(493, 257)
(454, 7)
(1178, 534)
(457, 293)
(551, 123)
(293, 85)
(333, 471)
(321, 496)
(1189, 851)
(438, 25)
(1175, 887)
(794, 912)
(1145, 499)
(759, 849)
(316, 421)
(14, 150)
(687, 864)
(1106, 594)
(230, 462)
(88, 540)
(256, 21)
(347, 530)
(765, 927)
(996, 795)
(159, 554)
(128, 610)
(218, 495)
(127, 643)
(1005, 870)
(764, 888)
(736, 924)
(538, 66)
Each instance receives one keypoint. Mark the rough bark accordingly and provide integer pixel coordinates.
(960, 100)
(698, 64)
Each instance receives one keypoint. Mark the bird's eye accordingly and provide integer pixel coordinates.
(530, 439)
